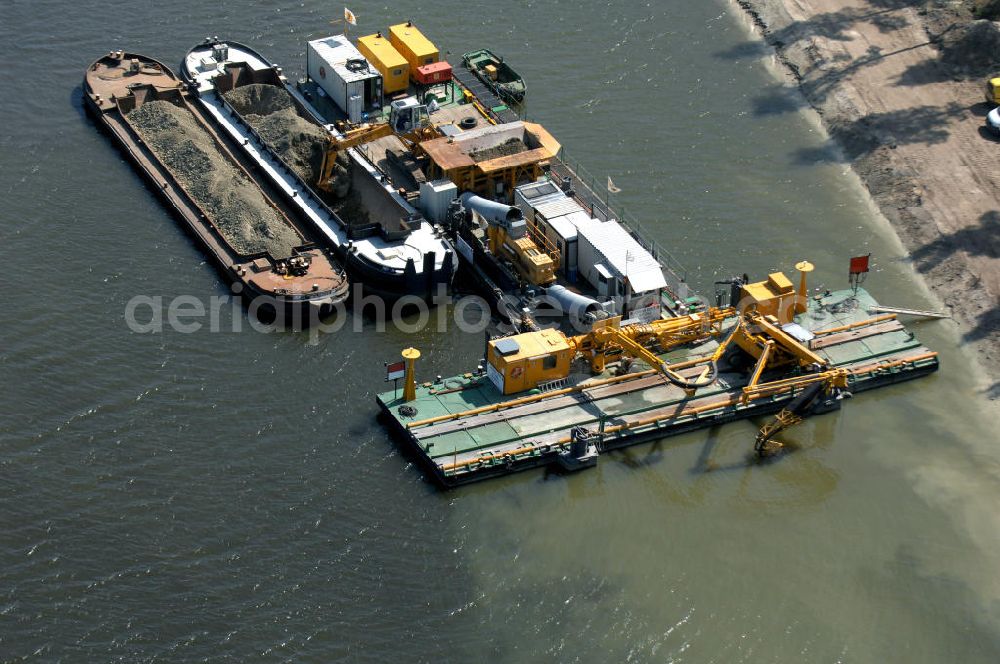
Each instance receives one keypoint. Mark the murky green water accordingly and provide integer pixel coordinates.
(230, 496)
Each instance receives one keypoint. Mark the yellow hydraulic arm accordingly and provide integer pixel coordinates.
(759, 331)
(668, 333)
(763, 339)
(672, 332)
(353, 138)
(814, 387)
(639, 351)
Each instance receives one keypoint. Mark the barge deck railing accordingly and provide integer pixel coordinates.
(586, 186)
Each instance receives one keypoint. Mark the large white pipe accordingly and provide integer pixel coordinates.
(498, 213)
(569, 302)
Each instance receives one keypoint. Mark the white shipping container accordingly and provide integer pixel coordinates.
(588, 258)
(558, 221)
(609, 258)
(336, 66)
(555, 214)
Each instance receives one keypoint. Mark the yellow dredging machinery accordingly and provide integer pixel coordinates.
(524, 361)
(533, 256)
(545, 396)
(761, 331)
(509, 237)
(529, 360)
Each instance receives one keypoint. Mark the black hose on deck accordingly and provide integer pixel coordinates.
(695, 384)
(802, 404)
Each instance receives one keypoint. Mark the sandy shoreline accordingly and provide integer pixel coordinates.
(889, 81)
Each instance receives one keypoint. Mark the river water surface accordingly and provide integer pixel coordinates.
(230, 495)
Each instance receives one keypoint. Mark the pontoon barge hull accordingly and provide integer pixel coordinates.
(115, 80)
(462, 429)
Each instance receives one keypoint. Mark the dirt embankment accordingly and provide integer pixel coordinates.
(238, 208)
(899, 85)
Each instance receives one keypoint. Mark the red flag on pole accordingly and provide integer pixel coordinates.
(859, 264)
(395, 371)
(858, 271)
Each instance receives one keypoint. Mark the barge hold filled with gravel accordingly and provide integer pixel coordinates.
(253, 242)
(383, 240)
(270, 110)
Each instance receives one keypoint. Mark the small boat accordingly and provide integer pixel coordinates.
(495, 74)
(254, 243)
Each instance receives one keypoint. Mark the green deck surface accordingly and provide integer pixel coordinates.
(479, 391)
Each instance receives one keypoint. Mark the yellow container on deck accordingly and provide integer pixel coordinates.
(775, 296)
(523, 361)
(394, 68)
(412, 45)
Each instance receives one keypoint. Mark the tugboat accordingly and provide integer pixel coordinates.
(145, 108)
(383, 240)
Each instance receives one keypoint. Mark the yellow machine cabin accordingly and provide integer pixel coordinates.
(510, 239)
(775, 296)
(384, 57)
(413, 46)
(524, 361)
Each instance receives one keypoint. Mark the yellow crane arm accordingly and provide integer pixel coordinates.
(772, 332)
(351, 139)
(672, 332)
(639, 351)
(669, 333)
(815, 386)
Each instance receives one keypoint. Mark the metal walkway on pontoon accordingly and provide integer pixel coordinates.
(484, 95)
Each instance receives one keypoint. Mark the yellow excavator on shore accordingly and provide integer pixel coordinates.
(993, 90)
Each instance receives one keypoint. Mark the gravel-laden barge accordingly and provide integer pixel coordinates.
(383, 241)
(483, 423)
(145, 108)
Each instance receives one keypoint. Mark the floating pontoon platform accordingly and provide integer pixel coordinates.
(463, 429)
